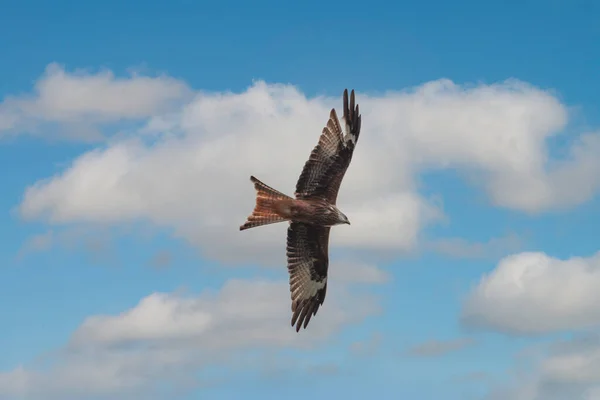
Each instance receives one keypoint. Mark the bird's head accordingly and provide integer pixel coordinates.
(344, 219)
(341, 217)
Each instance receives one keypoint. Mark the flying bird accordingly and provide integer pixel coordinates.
(312, 212)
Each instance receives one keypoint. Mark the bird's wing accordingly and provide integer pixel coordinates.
(308, 260)
(324, 170)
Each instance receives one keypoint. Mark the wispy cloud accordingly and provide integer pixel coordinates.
(369, 346)
(436, 348)
(173, 337)
(556, 370)
(462, 248)
(161, 259)
(95, 241)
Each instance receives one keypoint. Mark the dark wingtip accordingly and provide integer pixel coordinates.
(301, 324)
(302, 314)
(350, 105)
(346, 104)
(352, 113)
(296, 322)
(298, 316)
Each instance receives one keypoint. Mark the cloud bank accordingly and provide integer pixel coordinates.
(173, 338)
(186, 169)
(533, 293)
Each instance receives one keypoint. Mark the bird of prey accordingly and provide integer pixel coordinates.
(312, 212)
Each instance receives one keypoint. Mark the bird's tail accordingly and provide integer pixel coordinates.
(271, 206)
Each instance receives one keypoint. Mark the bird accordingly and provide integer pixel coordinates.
(312, 211)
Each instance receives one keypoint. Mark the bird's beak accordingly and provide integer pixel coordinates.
(348, 222)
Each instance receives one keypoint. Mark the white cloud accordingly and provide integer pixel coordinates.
(563, 370)
(188, 169)
(195, 179)
(436, 348)
(80, 99)
(241, 314)
(171, 337)
(106, 374)
(533, 293)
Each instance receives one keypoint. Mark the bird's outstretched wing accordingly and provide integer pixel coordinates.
(324, 170)
(308, 260)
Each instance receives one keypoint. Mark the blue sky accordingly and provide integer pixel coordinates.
(127, 135)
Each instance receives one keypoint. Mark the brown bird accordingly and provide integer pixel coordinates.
(312, 213)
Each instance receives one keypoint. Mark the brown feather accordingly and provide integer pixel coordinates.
(310, 214)
(324, 170)
(308, 261)
(271, 206)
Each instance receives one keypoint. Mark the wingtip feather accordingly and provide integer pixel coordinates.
(352, 117)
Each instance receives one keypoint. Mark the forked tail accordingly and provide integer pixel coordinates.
(271, 206)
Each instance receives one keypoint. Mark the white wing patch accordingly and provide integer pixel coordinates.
(348, 136)
(307, 266)
(305, 287)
